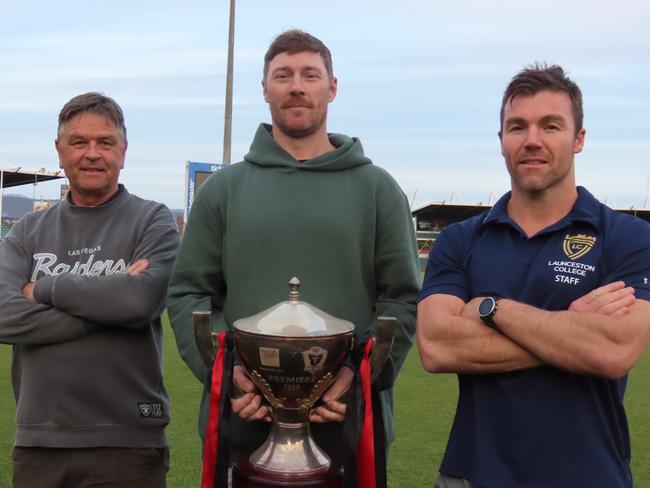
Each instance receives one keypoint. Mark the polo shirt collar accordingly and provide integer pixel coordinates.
(585, 209)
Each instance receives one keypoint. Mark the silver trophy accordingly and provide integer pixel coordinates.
(292, 353)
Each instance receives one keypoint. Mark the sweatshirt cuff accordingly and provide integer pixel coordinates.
(349, 362)
(43, 290)
(236, 358)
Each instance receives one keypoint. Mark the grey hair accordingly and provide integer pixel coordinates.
(95, 103)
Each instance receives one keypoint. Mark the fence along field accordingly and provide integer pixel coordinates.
(425, 407)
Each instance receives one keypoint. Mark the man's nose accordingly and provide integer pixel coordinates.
(533, 140)
(91, 152)
(296, 86)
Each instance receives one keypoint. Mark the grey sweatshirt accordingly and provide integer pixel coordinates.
(87, 362)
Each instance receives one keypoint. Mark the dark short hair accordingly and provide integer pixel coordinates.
(540, 77)
(296, 41)
(95, 103)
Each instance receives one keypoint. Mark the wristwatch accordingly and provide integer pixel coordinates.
(486, 310)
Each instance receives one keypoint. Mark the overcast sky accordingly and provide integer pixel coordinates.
(420, 83)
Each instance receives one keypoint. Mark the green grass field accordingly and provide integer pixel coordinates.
(425, 407)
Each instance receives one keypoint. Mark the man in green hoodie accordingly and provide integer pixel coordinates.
(303, 203)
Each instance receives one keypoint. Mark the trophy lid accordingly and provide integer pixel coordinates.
(293, 318)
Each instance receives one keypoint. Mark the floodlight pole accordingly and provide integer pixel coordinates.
(2, 190)
(227, 125)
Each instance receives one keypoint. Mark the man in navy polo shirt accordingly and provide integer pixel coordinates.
(541, 305)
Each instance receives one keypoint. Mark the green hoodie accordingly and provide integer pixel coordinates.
(337, 222)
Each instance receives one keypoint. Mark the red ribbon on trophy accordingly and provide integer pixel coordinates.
(366, 449)
(210, 450)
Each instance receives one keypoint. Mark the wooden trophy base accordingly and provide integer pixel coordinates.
(246, 475)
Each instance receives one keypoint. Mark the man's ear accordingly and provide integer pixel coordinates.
(500, 134)
(126, 145)
(579, 143)
(58, 151)
(266, 99)
(333, 88)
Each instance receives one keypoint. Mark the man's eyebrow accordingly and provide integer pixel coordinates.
(554, 118)
(545, 119)
(302, 69)
(514, 120)
(281, 68)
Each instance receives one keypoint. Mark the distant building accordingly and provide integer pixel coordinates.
(429, 220)
(43, 204)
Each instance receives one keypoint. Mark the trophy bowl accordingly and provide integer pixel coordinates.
(292, 353)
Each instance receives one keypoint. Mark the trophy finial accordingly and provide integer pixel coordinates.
(294, 294)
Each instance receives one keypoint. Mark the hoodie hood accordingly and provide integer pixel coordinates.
(266, 152)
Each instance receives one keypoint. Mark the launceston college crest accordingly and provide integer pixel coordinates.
(577, 246)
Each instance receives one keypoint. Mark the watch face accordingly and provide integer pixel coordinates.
(486, 307)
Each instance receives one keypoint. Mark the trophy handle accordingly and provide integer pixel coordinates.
(206, 343)
(202, 322)
(383, 344)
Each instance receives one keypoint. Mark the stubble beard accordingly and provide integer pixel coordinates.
(297, 132)
(537, 186)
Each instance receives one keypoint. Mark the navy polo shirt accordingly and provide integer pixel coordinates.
(540, 427)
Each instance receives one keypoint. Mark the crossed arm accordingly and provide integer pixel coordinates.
(129, 299)
(22, 321)
(68, 307)
(603, 333)
(133, 270)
